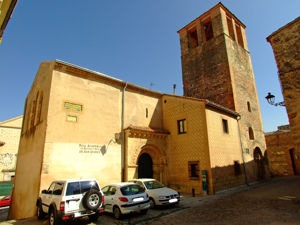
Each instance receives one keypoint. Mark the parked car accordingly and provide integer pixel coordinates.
(158, 193)
(124, 198)
(5, 201)
(71, 199)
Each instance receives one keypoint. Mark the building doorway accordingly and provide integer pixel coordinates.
(145, 166)
(292, 155)
(259, 161)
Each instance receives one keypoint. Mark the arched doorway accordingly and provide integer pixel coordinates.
(259, 161)
(145, 166)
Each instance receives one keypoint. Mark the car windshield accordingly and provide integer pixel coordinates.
(132, 190)
(153, 184)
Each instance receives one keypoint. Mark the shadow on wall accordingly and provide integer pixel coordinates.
(234, 175)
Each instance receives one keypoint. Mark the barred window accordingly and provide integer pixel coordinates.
(181, 125)
(194, 170)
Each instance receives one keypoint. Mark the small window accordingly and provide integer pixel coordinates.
(193, 38)
(194, 170)
(71, 118)
(58, 189)
(225, 126)
(72, 106)
(251, 134)
(181, 124)
(73, 188)
(237, 168)
(249, 106)
(239, 35)
(105, 190)
(146, 112)
(208, 30)
(230, 27)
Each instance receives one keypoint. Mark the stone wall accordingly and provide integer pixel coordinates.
(281, 154)
(286, 44)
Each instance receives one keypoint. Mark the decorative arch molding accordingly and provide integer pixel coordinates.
(159, 161)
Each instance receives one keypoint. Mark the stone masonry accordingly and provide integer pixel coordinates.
(286, 47)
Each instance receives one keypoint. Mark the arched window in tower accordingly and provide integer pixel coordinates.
(193, 38)
(39, 112)
(251, 134)
(33, 111)
(249, 106)
(239, 35)
(230, 27)
(25, 117)
(36, 108)
(208, 29)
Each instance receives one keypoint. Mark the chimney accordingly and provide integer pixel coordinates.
(174, 89)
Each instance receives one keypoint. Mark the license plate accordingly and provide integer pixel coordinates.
(73, 205)
(173, 200)
(77, 214)
(138, 199)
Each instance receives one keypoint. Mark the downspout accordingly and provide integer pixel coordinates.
(124, 149)
(244, 165)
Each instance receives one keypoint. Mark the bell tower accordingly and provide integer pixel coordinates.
(216, 65)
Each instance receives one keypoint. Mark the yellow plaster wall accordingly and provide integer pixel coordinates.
(181, 148)
(224, 149)
(86, 148)
(30, 155)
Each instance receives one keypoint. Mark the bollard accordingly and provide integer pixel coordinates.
(193, 192)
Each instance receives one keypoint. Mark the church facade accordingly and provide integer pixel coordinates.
(80, 123)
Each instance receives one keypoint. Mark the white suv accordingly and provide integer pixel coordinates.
(70, 199)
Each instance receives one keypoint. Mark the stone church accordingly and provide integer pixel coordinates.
(81, 123)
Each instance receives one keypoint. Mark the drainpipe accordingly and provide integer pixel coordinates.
(124, 149)
(244, 165)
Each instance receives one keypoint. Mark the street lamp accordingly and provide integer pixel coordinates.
(271, 100)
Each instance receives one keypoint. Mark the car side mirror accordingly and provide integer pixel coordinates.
(44, 191)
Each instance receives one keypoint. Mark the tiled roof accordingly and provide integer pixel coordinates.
(147, 129)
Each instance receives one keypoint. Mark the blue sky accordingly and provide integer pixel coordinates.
(133, 40)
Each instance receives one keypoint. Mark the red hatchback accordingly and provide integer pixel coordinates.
(5, 201)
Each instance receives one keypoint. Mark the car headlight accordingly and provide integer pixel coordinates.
(161, 197)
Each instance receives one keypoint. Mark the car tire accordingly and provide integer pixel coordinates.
(94, 217)
(144, 211)
(117, 212)
(92, 199)
(152, 203)
(40, 213)
(53, 219)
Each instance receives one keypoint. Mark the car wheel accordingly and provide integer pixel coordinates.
(93, 218)
(117, 212)
(92, 199)
(152, 203)
(40, 213)
(144, 211)
(53, 219)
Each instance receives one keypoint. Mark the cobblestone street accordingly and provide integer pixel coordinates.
(275, 201)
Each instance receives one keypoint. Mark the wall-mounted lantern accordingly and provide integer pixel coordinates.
(271, 100)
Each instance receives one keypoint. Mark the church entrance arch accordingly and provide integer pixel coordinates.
(259, 161)
(151, 163)
(145, 166)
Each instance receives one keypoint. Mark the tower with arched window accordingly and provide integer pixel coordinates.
(216, 65)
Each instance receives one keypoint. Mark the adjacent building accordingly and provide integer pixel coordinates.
(10, 131)
(6, 9)
(281, 152)
(286, 44)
